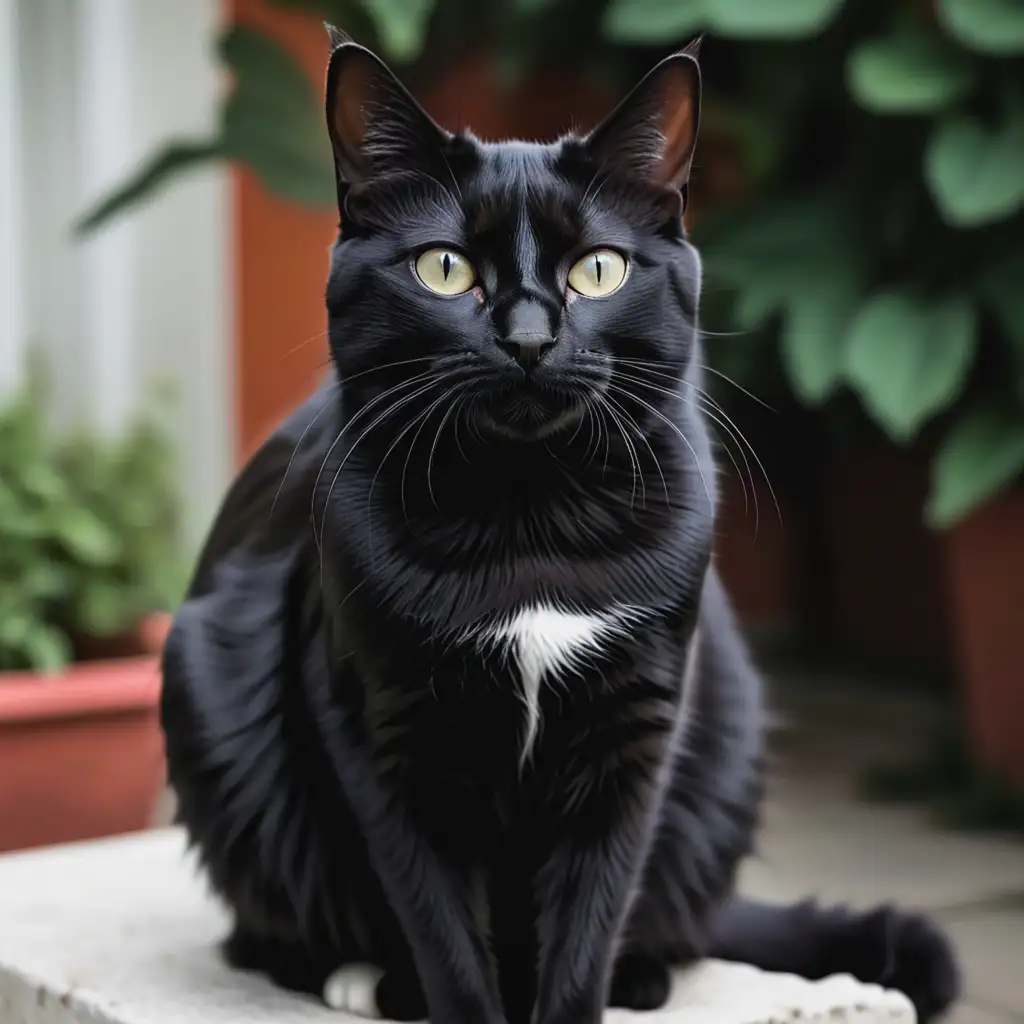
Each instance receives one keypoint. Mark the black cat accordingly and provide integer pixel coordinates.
(455, 692)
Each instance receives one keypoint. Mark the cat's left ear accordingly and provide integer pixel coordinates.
(374, 123)
(653, 131)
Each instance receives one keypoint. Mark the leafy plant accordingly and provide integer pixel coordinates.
(881, 252)
(90, 540)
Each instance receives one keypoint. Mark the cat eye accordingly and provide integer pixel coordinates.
(598, 274)
(445, 271)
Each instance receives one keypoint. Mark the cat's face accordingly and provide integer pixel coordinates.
(521, 286)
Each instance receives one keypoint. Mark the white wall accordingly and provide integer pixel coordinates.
(11, 275)
(102, 83)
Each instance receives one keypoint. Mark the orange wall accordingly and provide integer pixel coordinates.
(280, 262)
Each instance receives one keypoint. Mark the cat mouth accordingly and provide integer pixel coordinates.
(522, 418)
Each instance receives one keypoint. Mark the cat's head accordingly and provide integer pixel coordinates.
(521, 286)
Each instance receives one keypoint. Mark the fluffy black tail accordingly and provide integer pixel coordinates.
(886, 946)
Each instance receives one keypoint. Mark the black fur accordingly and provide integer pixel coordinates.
(349, 762)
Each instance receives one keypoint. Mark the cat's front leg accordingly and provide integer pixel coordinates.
(431, 894)
(585, 890)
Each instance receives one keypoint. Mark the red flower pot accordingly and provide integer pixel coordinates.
(81, 752)
(985, 568)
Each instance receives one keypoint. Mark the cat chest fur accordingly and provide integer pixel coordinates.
(545, 645)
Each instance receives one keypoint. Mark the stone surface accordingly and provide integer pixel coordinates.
(991, 944)
(121, 932)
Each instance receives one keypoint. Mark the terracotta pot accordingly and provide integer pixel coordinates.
(885, 565)
(985, 569)
(81, 752)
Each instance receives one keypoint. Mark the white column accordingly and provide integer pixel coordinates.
(12, 325)
(107, 152)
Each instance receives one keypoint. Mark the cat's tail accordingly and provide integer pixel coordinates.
(887, 946)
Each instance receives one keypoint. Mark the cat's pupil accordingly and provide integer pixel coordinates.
(597, 268)
(446, 264)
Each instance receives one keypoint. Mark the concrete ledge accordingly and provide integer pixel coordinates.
(122, 931)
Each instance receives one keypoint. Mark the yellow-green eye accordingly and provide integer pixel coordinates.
(445, 271)
(598, 273)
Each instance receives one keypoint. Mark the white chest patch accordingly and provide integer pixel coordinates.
(545, 643)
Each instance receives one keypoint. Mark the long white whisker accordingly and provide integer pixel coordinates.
(380, 418)
(675, 394)
(291, 459)
(341, 433)
(643, 437)
(669, 423)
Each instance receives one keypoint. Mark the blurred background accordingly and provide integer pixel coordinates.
(166, 208)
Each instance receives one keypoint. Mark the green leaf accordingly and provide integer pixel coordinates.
(769, 19)
(104, 607)
(908, 358)
(85, 536)
(653, 21)
(272, 121)
(976, 175)
(981, 455)
(48, 648)
(989, 26)
(401, 25)
(285, 153)
(159, 168)
(908, 74)
(1002, 288)
(813, 340)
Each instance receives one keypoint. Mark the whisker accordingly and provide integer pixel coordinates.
(739, 387)
(390, 410)
(437, 437)
(341, 433)
(633, 458)
(743, 480)
(291, 459)
(682, 436)
(643, 437)
(760, 465)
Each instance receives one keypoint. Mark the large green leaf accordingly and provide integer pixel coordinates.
(764, 19)
(163, 165)
(813, 340)
(653, 21)
(401, 25)
(982, 454)
(272, 120)
(989, 26)
(975, 174)
(908, 358)
(910, 73)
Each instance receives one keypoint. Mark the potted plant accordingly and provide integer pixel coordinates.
(89, 565)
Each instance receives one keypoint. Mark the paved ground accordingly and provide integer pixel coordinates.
(820, 838)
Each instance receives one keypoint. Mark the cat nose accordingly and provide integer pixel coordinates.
(527, 348)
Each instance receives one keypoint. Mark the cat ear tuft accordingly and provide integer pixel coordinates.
(653, 131)
(336, 36)
(374, 123)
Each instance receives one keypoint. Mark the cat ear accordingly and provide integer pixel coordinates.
(653, 131)
(374, 123)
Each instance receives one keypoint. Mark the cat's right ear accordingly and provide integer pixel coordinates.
(374, 123)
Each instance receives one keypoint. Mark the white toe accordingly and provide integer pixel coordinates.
(353, 989)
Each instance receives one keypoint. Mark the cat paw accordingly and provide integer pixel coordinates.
(904, 951)
(352, 988)
(639, 983)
